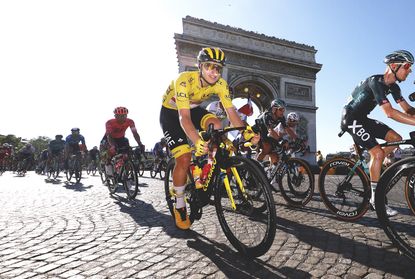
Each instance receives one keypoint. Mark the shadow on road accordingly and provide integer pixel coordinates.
(144, 214)
(235, 265)
(53, 181)
(383, 259)
(78, 187)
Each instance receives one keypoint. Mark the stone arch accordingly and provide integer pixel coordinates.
(261, 91)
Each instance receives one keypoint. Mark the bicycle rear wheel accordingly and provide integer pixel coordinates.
(130, 179)
(250, 227)
(344, 191)
(399, 228)
(297, 182)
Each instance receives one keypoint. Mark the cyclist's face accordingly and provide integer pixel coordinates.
(278, 112)
(292, 124)
(404, 71)
(120, 117)
(211, 71)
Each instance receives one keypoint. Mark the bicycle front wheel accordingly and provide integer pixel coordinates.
(130, 179)
(249, 222)
(78, 171)
(344, 189)
(162, 169)
(56, 168)
(140, 170)
(399, 228)
(297, 182)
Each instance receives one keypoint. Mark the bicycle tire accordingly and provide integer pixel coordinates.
(297, 182)
(112, 184)
(56, 170)
(130, 179)
(399, 228)
(162, 169)
(50, 172)
(140, 169)
(78, 171)
(94, 170)
(69, 174)
(246, 240)
(102, 174)
(348, 201)
(153, 174)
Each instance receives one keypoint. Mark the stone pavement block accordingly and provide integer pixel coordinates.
(70, 273)
(145, 274)
(25, 275)
(46, 268)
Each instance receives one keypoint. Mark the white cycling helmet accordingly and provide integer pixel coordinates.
(293, 117)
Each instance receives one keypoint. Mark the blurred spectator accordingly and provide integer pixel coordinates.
(319, 158)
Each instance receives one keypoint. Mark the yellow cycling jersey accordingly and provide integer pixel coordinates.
(186, 92)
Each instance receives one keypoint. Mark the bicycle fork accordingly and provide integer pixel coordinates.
(228, 186)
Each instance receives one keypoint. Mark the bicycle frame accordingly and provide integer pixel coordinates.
(213, 148)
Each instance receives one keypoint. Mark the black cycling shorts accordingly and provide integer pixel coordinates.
(173, 132)
(364, 130)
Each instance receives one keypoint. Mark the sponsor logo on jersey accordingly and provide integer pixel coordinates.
(183, 84)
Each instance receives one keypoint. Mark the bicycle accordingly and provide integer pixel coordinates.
(101, 170)
(293, 175)
(399, 228)
(344, 184)
(123, 171)
(24, 164)
(92, 167)
(54, 166)
(159, 167)
(241, 195)
(138, 161)
(74, 167)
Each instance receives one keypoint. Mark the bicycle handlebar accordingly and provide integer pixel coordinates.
(211, 132)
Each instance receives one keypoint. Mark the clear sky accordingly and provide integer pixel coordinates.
(67, 64)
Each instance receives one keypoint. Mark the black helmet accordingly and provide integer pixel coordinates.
(399, 56)
(278, 103)
(75, 130)
(58, 136)
(211, 54)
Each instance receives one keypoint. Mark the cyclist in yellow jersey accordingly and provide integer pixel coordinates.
(181, 117)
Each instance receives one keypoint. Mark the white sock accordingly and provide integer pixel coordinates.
(373, 187)
(179, 190)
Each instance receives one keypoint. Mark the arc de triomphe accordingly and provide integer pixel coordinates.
(262, 66)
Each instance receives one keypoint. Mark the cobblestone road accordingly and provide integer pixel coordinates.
(59, 230)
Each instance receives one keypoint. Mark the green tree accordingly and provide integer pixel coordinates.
(40, 143)
(11, 139)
